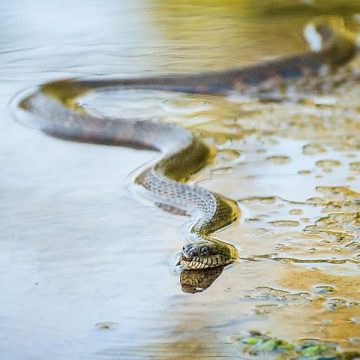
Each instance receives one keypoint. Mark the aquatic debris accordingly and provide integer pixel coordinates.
(324, 289)
(337, 303)
(258, 344)
(282, 297)
(107, 325)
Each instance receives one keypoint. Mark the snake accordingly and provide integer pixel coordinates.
(54, 109)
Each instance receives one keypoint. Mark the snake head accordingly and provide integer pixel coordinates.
(205, 254)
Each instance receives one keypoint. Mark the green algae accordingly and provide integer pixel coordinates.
(258, 344)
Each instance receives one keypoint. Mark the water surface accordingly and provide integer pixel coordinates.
(86, 267)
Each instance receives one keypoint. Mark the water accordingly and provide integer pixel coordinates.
(86, 268)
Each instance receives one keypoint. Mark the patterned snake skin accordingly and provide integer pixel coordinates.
(53, 109)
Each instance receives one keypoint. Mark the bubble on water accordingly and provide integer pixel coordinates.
(280, 296)
(355, 320)
(355, 166)
(312, 149)
(224, 156)
(304, 172)
(354, 340)
(327, 164)
(316, 201)
(296, 211)
(284, 223)
(254, 200)
(338, 192)
(278, 159)
(333, 236)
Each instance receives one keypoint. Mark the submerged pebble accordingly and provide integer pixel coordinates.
(107, 325)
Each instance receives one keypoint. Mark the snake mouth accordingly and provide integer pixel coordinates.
(187, 262)
(186, 257)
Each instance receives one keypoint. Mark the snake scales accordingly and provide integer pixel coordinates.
(53, 109)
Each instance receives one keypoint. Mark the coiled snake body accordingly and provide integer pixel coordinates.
(53, 109)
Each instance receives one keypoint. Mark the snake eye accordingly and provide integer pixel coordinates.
(204, 250)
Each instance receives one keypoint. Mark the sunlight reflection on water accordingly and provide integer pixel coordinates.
(77, 250)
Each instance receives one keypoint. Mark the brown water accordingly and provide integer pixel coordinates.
(86, 268)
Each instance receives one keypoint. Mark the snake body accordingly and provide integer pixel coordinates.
(53, 109)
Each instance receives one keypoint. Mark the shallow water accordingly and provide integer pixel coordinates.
(86, 267)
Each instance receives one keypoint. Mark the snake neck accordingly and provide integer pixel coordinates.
(226, 212)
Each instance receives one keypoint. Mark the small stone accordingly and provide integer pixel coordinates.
(107, 325)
